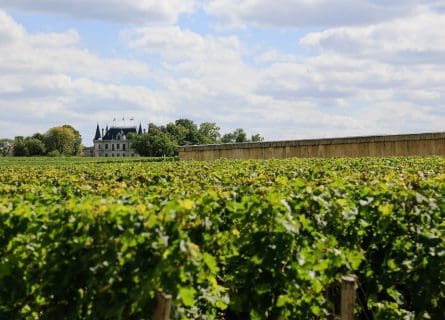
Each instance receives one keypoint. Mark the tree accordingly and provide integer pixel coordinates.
(256, 138)
(191, 132)
(164, 140)
(65, 139)
(228, 138)
(240, 135)
(141, 144)
(162, 145)
(154, 129)
(208, 133)
(77, 143)
(34, 147)
(177, 133)
(154, 143)
(20, 147)
(38, 136)
(237, 136)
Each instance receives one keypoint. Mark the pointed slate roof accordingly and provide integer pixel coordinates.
(97, 136)
(115, 132)
(140, 129)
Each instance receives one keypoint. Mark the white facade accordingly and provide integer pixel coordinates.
(113, 148)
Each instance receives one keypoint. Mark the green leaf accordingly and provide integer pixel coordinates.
(299, 183)
(187, 295)
(355, 258)
(255, 315)
(316, 310)
(386, 209)
(187, 204)
(317, 286)
(210, 262)
(283, 300)
(396, 295)
(392, 264)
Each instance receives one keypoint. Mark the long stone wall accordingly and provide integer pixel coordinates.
(423, 144)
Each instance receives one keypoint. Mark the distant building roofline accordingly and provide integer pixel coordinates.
(122, 127)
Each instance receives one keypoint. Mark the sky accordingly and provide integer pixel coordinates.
(287, 69)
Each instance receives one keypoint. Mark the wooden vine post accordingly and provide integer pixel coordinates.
(348, 297)
(163, 307)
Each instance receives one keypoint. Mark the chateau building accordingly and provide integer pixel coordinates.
(113, 142)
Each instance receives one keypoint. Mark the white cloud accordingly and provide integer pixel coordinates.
(22, 53)
(307, 13)
(196, 64)
(48, 78)
(285, 96)
(128, 11)
(362, 92)
(363, 80)
(274, 56)
(54, 40)
(412, 40)
(176, 43)
(10, 31)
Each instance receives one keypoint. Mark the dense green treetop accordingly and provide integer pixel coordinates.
(58, 141)
(164, 140)
(65, 140)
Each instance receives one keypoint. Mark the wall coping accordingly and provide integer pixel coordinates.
(313, 142)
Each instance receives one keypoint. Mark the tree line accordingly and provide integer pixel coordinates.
(164, 140)
(157, 141)
(57, 141)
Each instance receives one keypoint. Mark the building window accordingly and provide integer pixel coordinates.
(123, 146)
(100, 147)
(112, 147)
(106, 154)
(112, 154)
(118, 146)
(106, 146)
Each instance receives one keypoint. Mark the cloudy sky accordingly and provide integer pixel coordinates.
(286, 69)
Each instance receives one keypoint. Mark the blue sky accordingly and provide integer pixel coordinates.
(287, 70)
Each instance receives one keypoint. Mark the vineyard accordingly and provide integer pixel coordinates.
(227, 239)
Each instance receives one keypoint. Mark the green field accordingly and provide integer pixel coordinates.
(96, 239)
